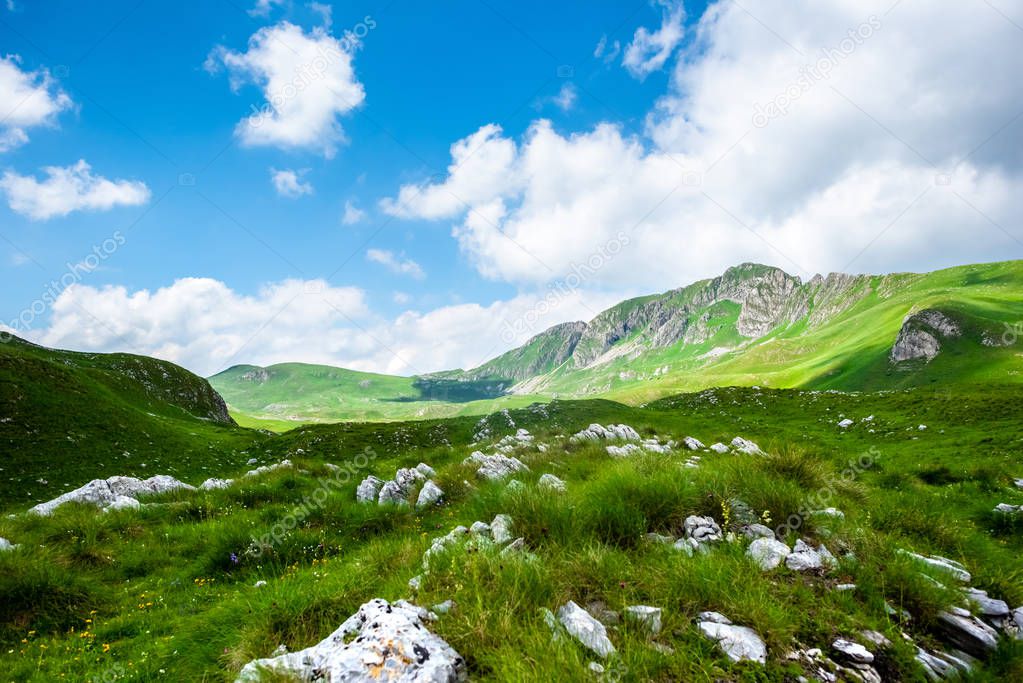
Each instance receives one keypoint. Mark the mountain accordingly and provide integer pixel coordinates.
(754, 325)
(65, 413)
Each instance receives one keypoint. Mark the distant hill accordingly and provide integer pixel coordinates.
(753, 325)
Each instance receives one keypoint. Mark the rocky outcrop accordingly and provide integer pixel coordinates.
(494, 467)
(115, 493)
(921, 335)
(381, 642)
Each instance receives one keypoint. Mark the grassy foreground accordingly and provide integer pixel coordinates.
(167, 592)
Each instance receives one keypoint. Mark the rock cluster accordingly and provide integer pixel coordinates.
(382, 641)
(494, 467)
(115, 493)
(496, 534)
(596, 432)
(398, 490)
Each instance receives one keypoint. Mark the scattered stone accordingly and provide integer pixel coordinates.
(988, 607)
(444, 607)
(647, 617)
(500, 529)
(516, 546)
(391, 493)
(6, 545)
(259, 584)
(494, 467)
(746, 446)
(251, 461)
(552, 483)
(768, 553)
(702, 529)
(941, 665)
(369, 489)
(719, 448)
(480, 530)
(755, 531)
(596, 668)
(739, 643)
(584, 628)
(1018, 483)
(283, 464)
(214, 483)
(693, 444)
(426, 470)
(115, 493)
(945, 565)
(596, 432)
(852, 652)
(803, 558)
(625, 451)
(687, 545)
(845, 423)
(429, 495)
(382, 641)
(1007, 509)
(843, 587)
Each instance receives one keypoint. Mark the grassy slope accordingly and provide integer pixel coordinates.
(68, 417)
(163, 593)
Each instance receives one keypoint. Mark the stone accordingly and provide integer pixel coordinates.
(719, 448)
(687, 546)
(516, 546)
(596, 432)
(391, 493)
(426, 470)
(920, 335)
(283, 464)
(625, 451)
(988, 607)
(369, 489)
(113, 493)
(259, 584)
(768, 553)
(943, 564)
(739, 643)
(755, 531)
(845, 423)
(852, 652)
(1007, 509)
(966, 632)
(214, 483)
(693, 444)
(415, 583)
(501, 529)
(746, 446)
(803, 558)
(551, 483)
(702, 529)
(382, 641)
(6, 545)
(429, 495)
(480, 530)
(584, 628)
(444, 607)
(843, 587)
(494, 467)
(829, 512)
(647, 617)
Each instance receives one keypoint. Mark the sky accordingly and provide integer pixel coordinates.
(407, 187)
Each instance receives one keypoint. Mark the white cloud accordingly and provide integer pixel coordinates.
(648, 52)
(262, 7)
(308, 82)
(205, 326)
(30, 99)
(566, 97)
(352, 214)
(289, 183)
(326, 13)
(396, 264)
(401, 298)
(847, 169)
(67, 189)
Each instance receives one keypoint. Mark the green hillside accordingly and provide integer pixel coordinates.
(752, 326)
(67, 417)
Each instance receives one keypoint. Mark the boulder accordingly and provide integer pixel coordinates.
(645, 616)
(392, 493)
(113, 493)
(494, 467)
(500, 529)
(702, 529)
(426, 470)
(803, 558)
(596, 432)
(967, 633)
(988, 607)
(739, 643)
(755, 531)
(584, 628)
(693, 444)
(845, 423)
(382, 641)
(6, 545)
(768, 553)
(429, 495)
(369, 489)
(746, 446)
(719, 448)
(551, 483)
(921, 334)
(211, 484)
(849, 651)
(481, 530)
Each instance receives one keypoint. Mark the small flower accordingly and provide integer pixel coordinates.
(234, 559)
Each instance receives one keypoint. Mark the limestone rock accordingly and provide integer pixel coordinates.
(584, 628)
(496, 466)
(739, 643)
(647, 617)
(369, 489)
(702, 529)
(500, 529)
(768, 553)
(113, 493)
(551, 483)
(429, 495)
(214, 483)
(746, 446)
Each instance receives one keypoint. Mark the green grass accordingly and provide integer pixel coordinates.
(163, 593)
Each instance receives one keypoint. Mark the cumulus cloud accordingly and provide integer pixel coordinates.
(352, 214)
(308, 82)
(396, 264)
(289, 183)
(68, 189)
(649, 51)
(838, 139)
(30, 99)
(205, 326)
(262, 7)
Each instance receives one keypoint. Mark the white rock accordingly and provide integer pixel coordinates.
(646, 616)
(845, 423)
(687, 545)
(755, 531)
(496, 466)
(259, 584)
(551, 483)
(950, 567)
(392, 493)
(444, 607)
(739, 643)
(803, 558)
(214, 483)
(968, 633)
(501, 529)
(480, 530)
(584, 628)
(596, 432)
(426, 470)
(1007, 509)
(625, 451)
(768, 553)
(829, 512)
(746, 446)
(702, 529)
(283, 464)
(381, 641)
(719, 448)
(369, 489)
(693, 444)
(6, 545)
(113, 493)
(429, 495)
(922, 427)
(853, 652)
(987, 606)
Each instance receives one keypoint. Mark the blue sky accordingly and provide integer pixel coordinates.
(152, 96)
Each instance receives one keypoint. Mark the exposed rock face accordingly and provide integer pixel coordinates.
(596, 432)
(380, 642)
(921, 335)
(967, 632)
(114, 493)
